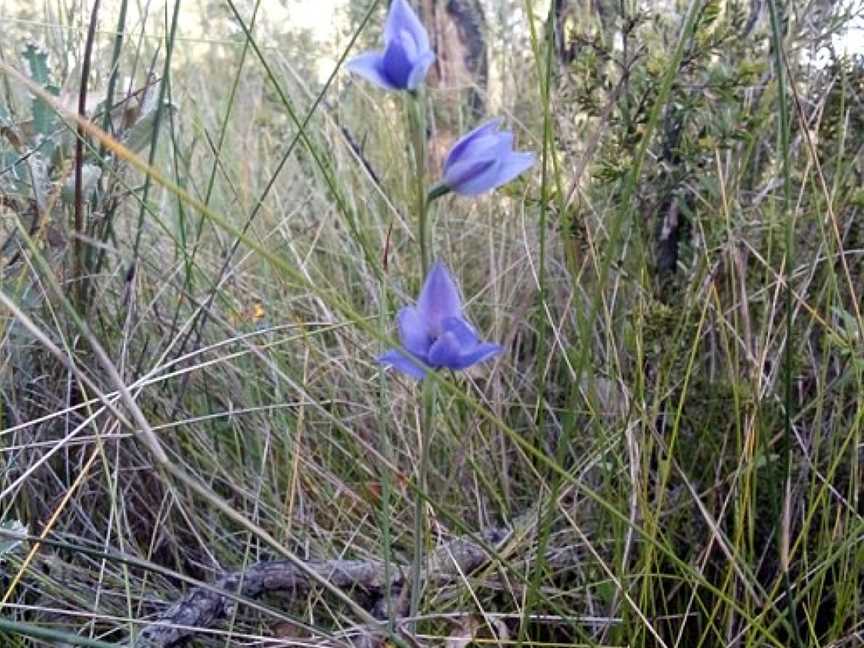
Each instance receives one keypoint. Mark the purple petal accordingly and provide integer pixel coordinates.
(370, 66)
(472, 350)
(413, 331)
(398, 60)
(399, 361)
(458, 149)
(515, 164)
(472, 165)
(504, 145)
(463, 331)
(421, 67)
(479, 353)
(439, 299)
(446, 352)
(402, 17)
(467, 170)
(495, 176)
(483, 148)
(484, 145)
(482, 178)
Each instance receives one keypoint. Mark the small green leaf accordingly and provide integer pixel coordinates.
(37, 64)
(45, 119)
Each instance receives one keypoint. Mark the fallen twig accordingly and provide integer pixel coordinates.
(202, 607)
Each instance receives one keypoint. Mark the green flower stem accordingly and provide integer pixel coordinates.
(427, 427)
(386, 450)
(417, 133)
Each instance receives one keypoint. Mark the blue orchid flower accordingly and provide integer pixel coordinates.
(482, 160)
(406, 57)
(435, 333)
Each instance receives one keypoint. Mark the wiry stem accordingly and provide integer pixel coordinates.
(417, 132)
(426, 429)
(417, 127)
(79, 159)
(385, 475)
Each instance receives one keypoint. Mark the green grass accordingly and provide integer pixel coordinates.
(681, 452)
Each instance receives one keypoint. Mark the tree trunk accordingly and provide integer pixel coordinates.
(457, 32)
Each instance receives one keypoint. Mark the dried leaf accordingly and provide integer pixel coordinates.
(464, 632)
(288, 630)
(54, 235)
(12, 135)
(371, 490)
(473, 627)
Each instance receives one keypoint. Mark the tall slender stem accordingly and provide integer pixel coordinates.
(416, 109)
(417, 125)
(775, 13)
(79, 161)
(427, 426)
(386, 486)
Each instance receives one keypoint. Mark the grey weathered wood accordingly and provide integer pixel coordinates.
(203, 607)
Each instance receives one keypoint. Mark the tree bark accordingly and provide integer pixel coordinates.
(457, 32)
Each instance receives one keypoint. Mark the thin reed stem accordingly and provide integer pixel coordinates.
(427, 427)
(787, 217)
(80, 226)
(416, 108)
(386, 478)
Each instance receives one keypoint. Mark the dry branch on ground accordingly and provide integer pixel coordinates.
(202, 607)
